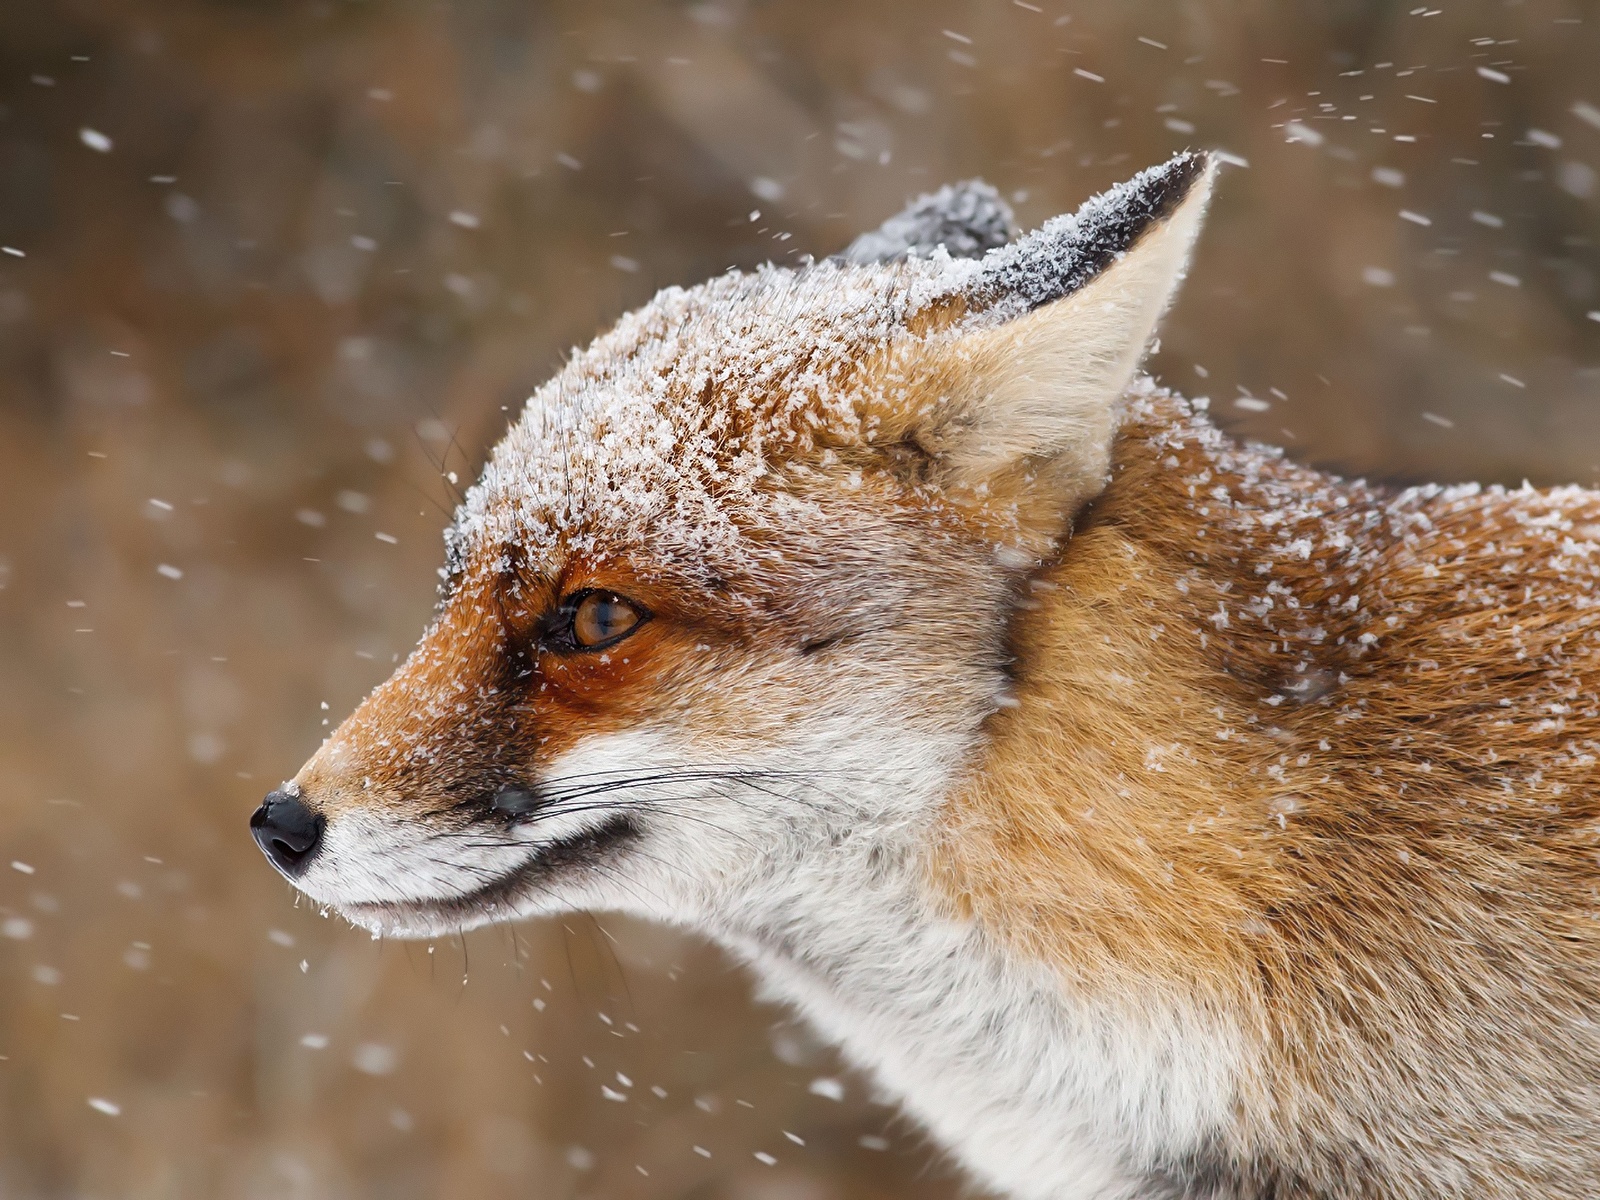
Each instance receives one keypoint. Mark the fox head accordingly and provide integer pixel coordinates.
(730, 603)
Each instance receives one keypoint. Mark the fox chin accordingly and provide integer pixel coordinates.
(1154, 816)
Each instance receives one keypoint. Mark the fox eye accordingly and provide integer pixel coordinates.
(597, 619)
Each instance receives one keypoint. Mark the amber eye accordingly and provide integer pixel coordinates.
(600, 618)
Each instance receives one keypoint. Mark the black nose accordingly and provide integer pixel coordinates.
(287, 831)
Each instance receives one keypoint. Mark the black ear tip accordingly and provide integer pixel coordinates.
(1068, 251)
(1188, 165)
(1170, 183)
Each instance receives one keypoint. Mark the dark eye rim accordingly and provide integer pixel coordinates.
(559, 635)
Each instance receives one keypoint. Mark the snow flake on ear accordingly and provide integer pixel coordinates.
(455, 556)
(967, 219)
(1068, 251)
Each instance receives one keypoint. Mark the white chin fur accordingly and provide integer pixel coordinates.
(404, 877)
(707, 830)
(368, 858)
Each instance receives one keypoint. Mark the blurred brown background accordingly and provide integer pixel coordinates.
(272, 266)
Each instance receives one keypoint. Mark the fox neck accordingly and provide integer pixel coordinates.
(1043, 1094)
(1064, 949)
(1115, 823)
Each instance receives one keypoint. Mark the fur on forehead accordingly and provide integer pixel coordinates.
(674, 428)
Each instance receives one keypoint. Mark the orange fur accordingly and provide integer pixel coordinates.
(1392, 870)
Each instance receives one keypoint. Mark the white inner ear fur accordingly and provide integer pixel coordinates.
(1046, 385)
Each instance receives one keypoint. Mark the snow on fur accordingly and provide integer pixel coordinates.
(1068, 251)
(967, 219)
(666, 431)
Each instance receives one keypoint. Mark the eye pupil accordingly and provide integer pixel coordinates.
(602, 617)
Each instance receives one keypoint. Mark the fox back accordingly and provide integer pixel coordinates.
(1156, 817)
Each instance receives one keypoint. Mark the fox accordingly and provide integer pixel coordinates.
(1153, 816)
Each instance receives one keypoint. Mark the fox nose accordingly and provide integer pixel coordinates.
(288, 832)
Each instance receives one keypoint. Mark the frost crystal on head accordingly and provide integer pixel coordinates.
(966, 218)
(667, 430)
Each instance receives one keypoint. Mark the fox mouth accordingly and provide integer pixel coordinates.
(513, 894)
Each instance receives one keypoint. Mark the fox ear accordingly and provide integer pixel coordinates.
(1029, 388)
(965, 218)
